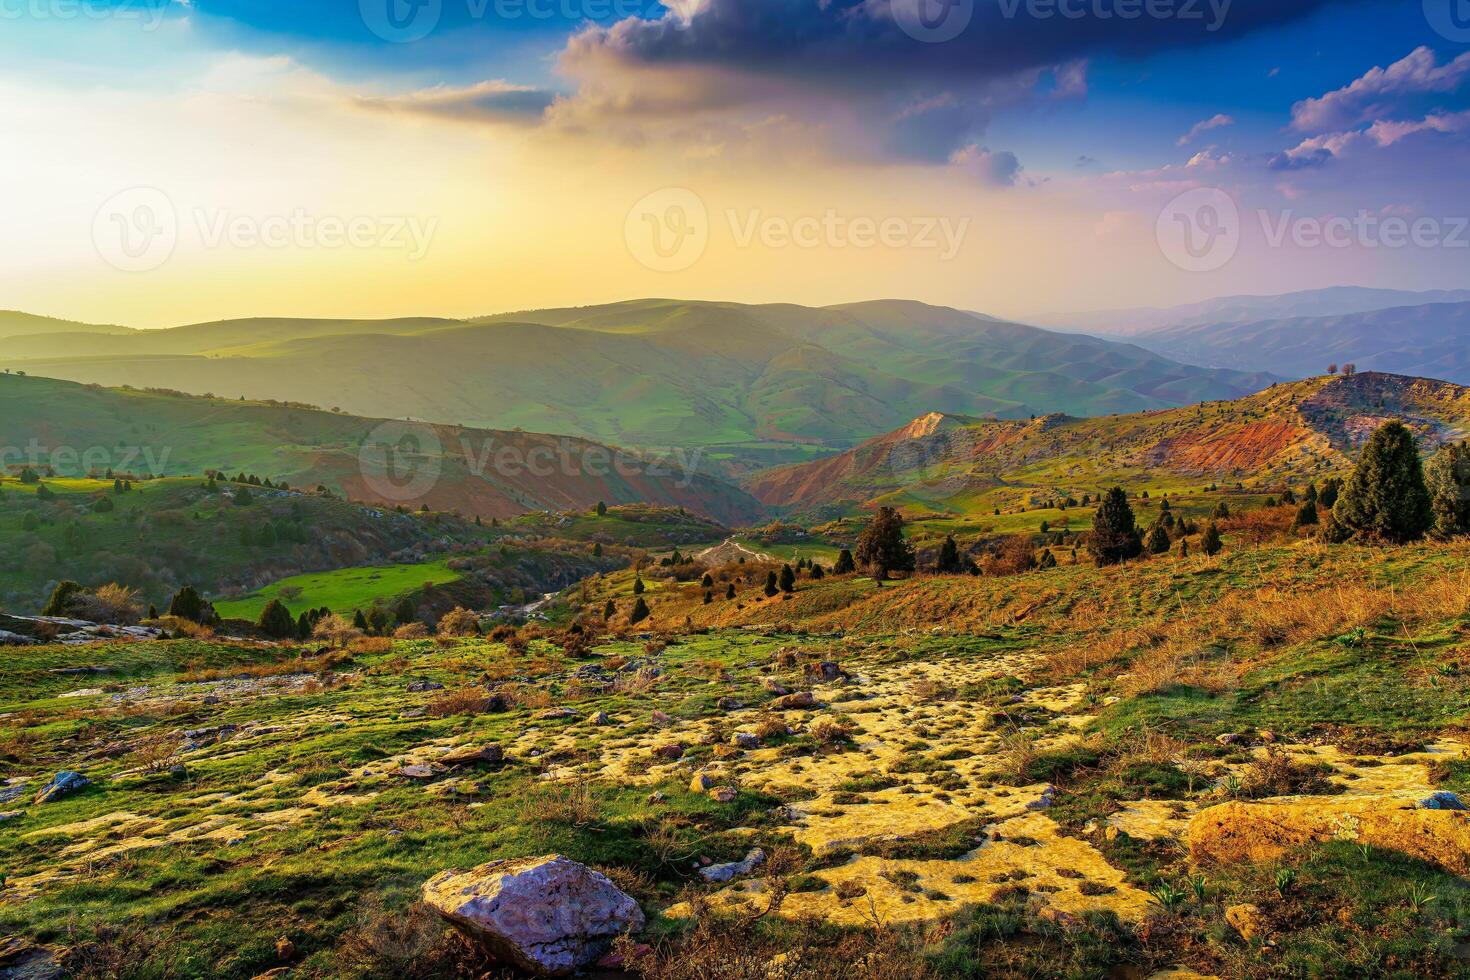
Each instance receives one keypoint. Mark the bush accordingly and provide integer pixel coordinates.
(1386, 498)
(276, 621)
(1114, 538)
(63, 599)
(459, 622)
(113, 603)
(640, 611)
(1448, 479)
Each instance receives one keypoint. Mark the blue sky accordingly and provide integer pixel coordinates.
(1059, 139)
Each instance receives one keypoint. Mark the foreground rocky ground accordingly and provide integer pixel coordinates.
(1223, 789)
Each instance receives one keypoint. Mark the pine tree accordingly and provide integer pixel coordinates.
(771, 587)
(304, 626)
(1288, 497)
(601, 509)
(187, 604)
(359, 621)
(730, 591)
(640, 611)
(882, 547)
(152, 611)
(1114, 536)
(817, 572)
(949, 556)
(845, 565)
(1306, 516)
(708, 581)
(1183, 548)
(1221, 511)
(1158, 540)
(788, 579)
(1448, 479)
(1211, 542)
(276, 621)
(1047, 560)
(1386, 498)
(1331, 489)
(609, 610)
(405, 611)
(63, 597)
(597, 549)
(638, 586)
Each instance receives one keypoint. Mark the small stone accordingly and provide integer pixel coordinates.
(723, 794)
(285, 949)
(1229, 738)
(825, 671)
(419, 687)
(745, 740)
(11, 815)
(61, 784)
(1246, 919)
(775, 687)
(659, 718)
(557, 714)
(657, 796)
(469, 755)
(416, 771)
(701, 783)
(721, 873)
(729, 704)
(601, 718)
(672, 751)
(795, 702)
(1443, 800)
(1045, 800)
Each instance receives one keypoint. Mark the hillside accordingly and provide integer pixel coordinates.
(1428, 341)
(1333, 301)
(757, 384)
(491, 473)
(952, 464)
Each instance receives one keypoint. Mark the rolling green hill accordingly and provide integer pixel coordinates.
(945, 464)
(753, 385)
(80, 429)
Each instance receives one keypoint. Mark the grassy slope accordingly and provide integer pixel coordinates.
(149, 432)
(1253, 639)
(347, 588)
(1289, 433)
(655, 373)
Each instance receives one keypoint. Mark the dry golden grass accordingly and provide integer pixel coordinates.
(461, 701)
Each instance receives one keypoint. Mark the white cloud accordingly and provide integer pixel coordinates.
(1204, 126)
(1376, 92)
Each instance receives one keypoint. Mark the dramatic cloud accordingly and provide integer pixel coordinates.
(1214, 122)
(1380, 92)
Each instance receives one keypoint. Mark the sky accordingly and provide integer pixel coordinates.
(173, 161)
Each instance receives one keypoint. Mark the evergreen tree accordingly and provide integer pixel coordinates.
(1114, 536)
(708, 581)
(103, 505)
(845, 564)
(243, 497)
(817, 572)
(359, 621)
(1288, 497)
(601, 509)
(152, 611)
(30, 522)
(1448, 479)
(708, 597)
(405, 611)
(44, 492)
(1386, 497)
(597, 549)
(1047, 560)
(276, 621)
(788, 579)
(117, 486)
(771, 587)
(1211, 542)
(1306, 516)
(609, 610)
(304, 626)
(1331, 488)
(640, 611)
(1309, 496)
(1157, 541)
(1221, 511)
(949, 556)
(882, 547)
(730, 591)
(267, 537)
(187, 604)
(1183, 548)
(638, 586)
(63, 599)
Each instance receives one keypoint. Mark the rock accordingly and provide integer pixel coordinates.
(795, 702)
(61, 784)
(659, 718)
(1443, 800)
(723, 794)
(745, 740)
(469, 755)
(1267, 736)
(729, 704)
(9, 639)
(419, 687)
(657, 796)
(21, 959)
(14, 789)
(600, 719)
(285, 949)
(1262, 832)
(672, 751)
(825, 671)
(548, 915)
(10, 815)
(1045, 800)
(1247, 919)
(774, 687)
(415, 771)
(701, 783)
(557, 714)
(1229, 738)
(721, 873)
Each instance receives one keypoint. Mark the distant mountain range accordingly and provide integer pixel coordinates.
(948, 464)
(1334, 301)
(756, 385)
(492, 473)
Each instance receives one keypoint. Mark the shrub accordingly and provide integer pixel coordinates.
(63, 599)
(411, 631)
(1114, 536)
(1211, 543)
(1386, 498)
(113, 603)
(336, 631)
(640, 611)
(845, 565)
(459, 622)
(1448, 479)
(1158, 540)
(276, 621)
